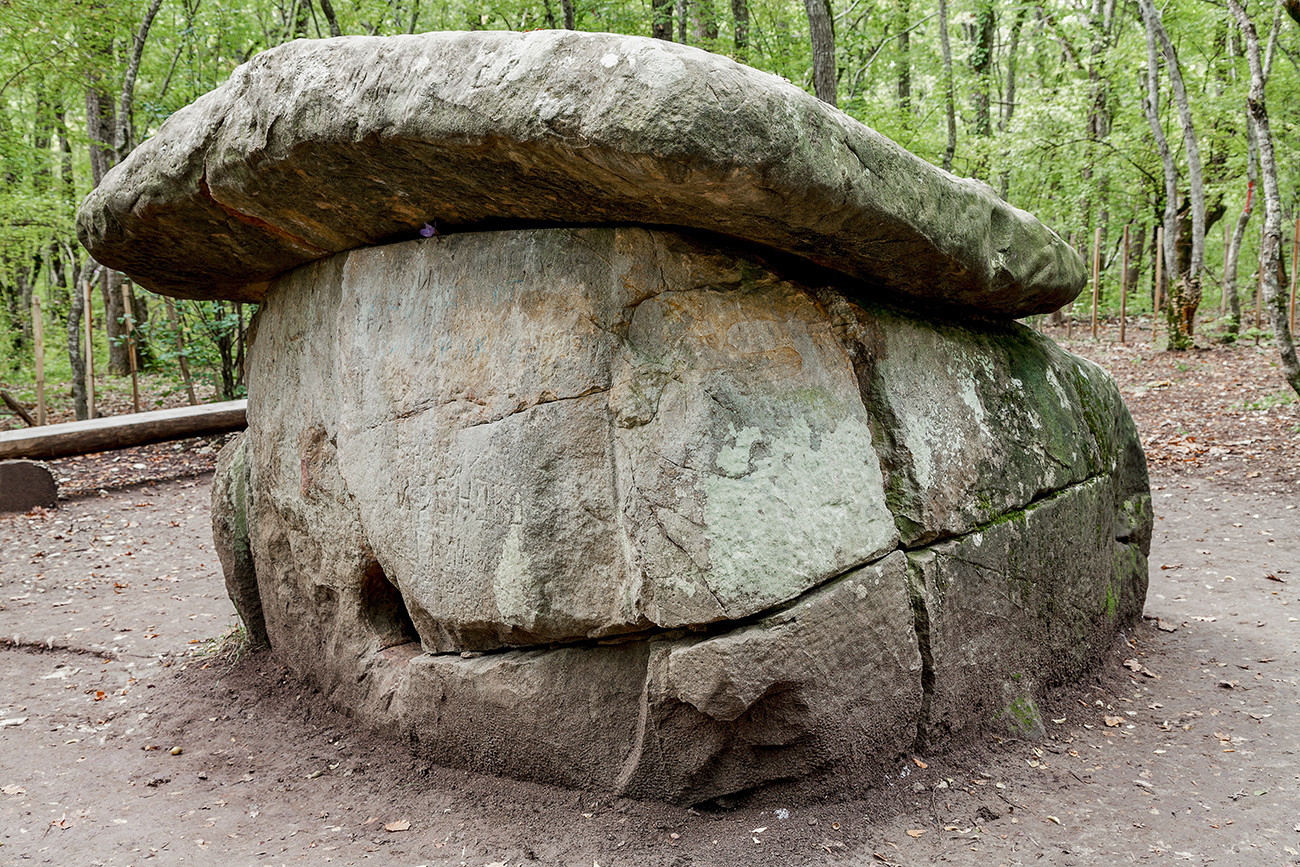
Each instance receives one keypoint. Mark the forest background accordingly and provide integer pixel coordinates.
(1094, 115)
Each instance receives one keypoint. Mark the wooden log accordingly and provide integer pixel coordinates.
(120, 432)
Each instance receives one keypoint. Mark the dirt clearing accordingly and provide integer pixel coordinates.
(131, 733)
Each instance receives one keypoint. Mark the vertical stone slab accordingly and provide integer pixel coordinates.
(24, 485)
(1028, 602)
(826, 691)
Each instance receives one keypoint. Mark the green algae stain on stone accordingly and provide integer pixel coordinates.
(513, 584)
(787, 507)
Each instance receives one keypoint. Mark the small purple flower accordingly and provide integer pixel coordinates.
(429, 230)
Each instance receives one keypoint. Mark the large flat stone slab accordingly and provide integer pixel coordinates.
(321, 146)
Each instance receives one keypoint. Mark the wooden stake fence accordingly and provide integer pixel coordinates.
(1259, 298)
(1227, 251)
(38, 335)
(1158, 303)
(1123, 290)
(1096, 277)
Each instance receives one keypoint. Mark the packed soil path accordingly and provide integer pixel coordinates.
(135, 730)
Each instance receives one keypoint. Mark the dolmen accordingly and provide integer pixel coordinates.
(623, 417)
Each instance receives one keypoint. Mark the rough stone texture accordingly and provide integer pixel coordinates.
(626, 509)
(320, 146)
(24, 485)
(648, 437)
(981, 421)
(230, 497)
(1028, 602)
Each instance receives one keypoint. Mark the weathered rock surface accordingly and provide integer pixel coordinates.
(24, 485)
(626, 509)
(231, 498)
(321, 146)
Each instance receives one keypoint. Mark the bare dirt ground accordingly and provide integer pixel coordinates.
(131, 733)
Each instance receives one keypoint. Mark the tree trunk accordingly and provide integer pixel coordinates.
(1013, 45)
(1185, 293)
(122, 137)
(950, 109)
(136, 429)
(902, 23)
(821, 30)
(704, 21)
(110, 287)
(327, 9)
(981, 63)
(661, 19)
(1174, 304)
(740, 35)
(566, 7)
(75, 356)
(1275, 299)
(1233, 255)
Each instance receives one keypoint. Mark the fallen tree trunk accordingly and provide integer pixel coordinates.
(17, 408)
(120, 432)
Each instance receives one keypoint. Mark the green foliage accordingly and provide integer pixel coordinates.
(1071, 146)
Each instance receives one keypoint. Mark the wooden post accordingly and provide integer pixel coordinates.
(1259, 297)
(130, 344)
(38, 335)
(1227, 250)
(1295, 249)
(1123, 290)
(180, 348)
(1159, 278)
(90, 353)
(1096, 276)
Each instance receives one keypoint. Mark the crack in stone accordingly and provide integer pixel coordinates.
(423, 408)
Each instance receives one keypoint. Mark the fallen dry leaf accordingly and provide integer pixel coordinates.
(917, 833)
(393, 827)
(920, 764)
(13, 790)
(1113, 721)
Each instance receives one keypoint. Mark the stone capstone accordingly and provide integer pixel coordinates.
(322, 146)
(636, 510)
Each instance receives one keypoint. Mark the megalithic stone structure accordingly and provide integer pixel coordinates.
(695, 453)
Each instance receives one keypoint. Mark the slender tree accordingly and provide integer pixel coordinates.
(1185, 291)
(950, 109)
(821, 30)
(1270, 249)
